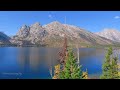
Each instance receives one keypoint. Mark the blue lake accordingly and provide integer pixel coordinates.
(35, 62)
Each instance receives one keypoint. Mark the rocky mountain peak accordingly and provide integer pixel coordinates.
(111, 34)
(110, 30)
(37, 24)
(24, 27)
(54, 23)
(36, 28)
(24, 31)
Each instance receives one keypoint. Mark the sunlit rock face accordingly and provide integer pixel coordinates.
(111, 34)
(33, 34)
(74, 34)
(53, 34)
(24, 31)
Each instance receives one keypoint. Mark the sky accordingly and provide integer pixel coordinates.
(94, 21)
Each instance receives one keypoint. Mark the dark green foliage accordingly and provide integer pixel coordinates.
(71, 70)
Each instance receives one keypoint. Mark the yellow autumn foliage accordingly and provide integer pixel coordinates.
(118, 66)
(56, 72)
(85, 75)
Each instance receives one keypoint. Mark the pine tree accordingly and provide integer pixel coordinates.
(110, 66)
(106, 67)
(71, 70)
(114, 68)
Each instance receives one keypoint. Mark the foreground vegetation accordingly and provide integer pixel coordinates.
(70, 68)
(110, 66)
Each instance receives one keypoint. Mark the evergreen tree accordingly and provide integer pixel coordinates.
(106, 67)
(110, 66)
(114, 68)
(71, 70)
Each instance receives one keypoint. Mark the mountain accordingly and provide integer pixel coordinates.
(111, 34)
(53, 33)
(4, 39)
(29, 35)
(23, 32)
(74, 34)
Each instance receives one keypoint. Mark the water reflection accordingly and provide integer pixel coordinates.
(34, 62)
(23, 58)
(35, 58)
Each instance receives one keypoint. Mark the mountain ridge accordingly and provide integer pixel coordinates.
(112, 34)
(52, 34)
(4, 39)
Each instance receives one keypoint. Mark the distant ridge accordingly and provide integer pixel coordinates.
(4, 39)
(111, 34)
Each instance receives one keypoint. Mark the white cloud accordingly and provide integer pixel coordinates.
(117, 17)
(50, 16)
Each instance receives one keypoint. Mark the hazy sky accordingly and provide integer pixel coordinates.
(94, 21)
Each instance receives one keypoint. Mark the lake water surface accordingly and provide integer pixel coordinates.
(35, 62)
